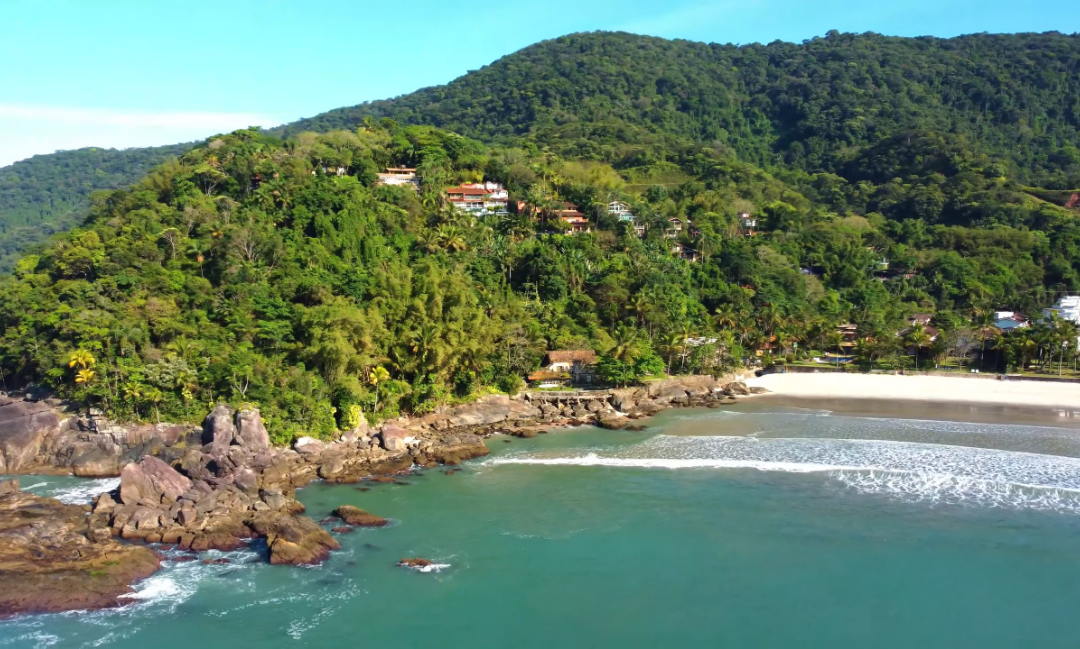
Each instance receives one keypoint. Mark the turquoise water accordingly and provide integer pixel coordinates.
(765, 527)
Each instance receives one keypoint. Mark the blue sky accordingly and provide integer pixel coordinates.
(121, 73)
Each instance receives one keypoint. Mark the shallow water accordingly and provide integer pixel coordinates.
(764, 525)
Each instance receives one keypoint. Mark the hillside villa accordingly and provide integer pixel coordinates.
(399, 176)
(478, 198)
(571, 216)
(748, 224)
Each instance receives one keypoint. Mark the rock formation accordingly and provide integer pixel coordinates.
(51, 559)
(359, 518)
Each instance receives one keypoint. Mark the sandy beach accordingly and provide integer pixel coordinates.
(923, 388)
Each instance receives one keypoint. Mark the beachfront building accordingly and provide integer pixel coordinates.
(399, 176)
(479, 198)
(565, 367)
(1009, 320)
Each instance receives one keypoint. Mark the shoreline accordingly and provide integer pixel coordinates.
(936, 389)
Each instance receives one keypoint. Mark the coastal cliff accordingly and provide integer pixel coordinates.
(222, 485)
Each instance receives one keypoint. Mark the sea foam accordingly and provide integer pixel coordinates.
(936, 473)
(73, 492)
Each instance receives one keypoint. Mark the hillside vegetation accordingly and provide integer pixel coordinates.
(634, 101)
(51, 193)
(249, 270)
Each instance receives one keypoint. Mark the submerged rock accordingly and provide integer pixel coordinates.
(359, 518)
(296, 540)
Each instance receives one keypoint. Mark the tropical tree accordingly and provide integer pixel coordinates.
(377, 377)
(919, 339)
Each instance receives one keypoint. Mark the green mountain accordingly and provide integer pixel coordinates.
(51, 193)
(631, 101)
(812, 106)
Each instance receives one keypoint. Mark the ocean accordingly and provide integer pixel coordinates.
(769, 524)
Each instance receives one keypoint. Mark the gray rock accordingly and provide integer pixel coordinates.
(23, 426)
(331, 467)
(90, 460)
(246, 480)
(594, 406)
(149, 480)
(308, 446)
(738, 388)
(393, 438)
(218, 428)
(9, 487)
(250, 431)
(104, 504)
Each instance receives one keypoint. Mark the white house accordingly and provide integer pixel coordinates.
(1009, 320)
(399, 176)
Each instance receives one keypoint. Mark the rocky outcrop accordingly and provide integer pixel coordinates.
(395, 438)
(218, 429)
(294, 540)
(23, 426)
(151, 481)
(50, 559)
(250, 431)
(359, 518)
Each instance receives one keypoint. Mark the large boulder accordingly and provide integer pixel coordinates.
(737, 388)
(294, 540)
(394, 438)
(698, 385)
(150, 480)
(250, 431)
(308, 446)
(95, 460)
(218, 428)
(23, 426)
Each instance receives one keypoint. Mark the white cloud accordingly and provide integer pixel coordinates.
(27, 130)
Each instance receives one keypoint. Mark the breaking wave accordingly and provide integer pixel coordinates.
(75, 491)
(934, 473)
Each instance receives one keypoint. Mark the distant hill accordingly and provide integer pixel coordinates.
(50, 193)
(826, 105)
(813, 106)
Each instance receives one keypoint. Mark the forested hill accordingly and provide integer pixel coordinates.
(839, 104)
(812, 106)
(50, 193)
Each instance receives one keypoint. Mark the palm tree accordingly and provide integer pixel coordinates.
(625, 340)
(195, 249)
(378, 376)
(984, 320)
(919, 339)
(451, 238)
(82, 358)
(640, 307)
(725, 318)
(670, 345)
